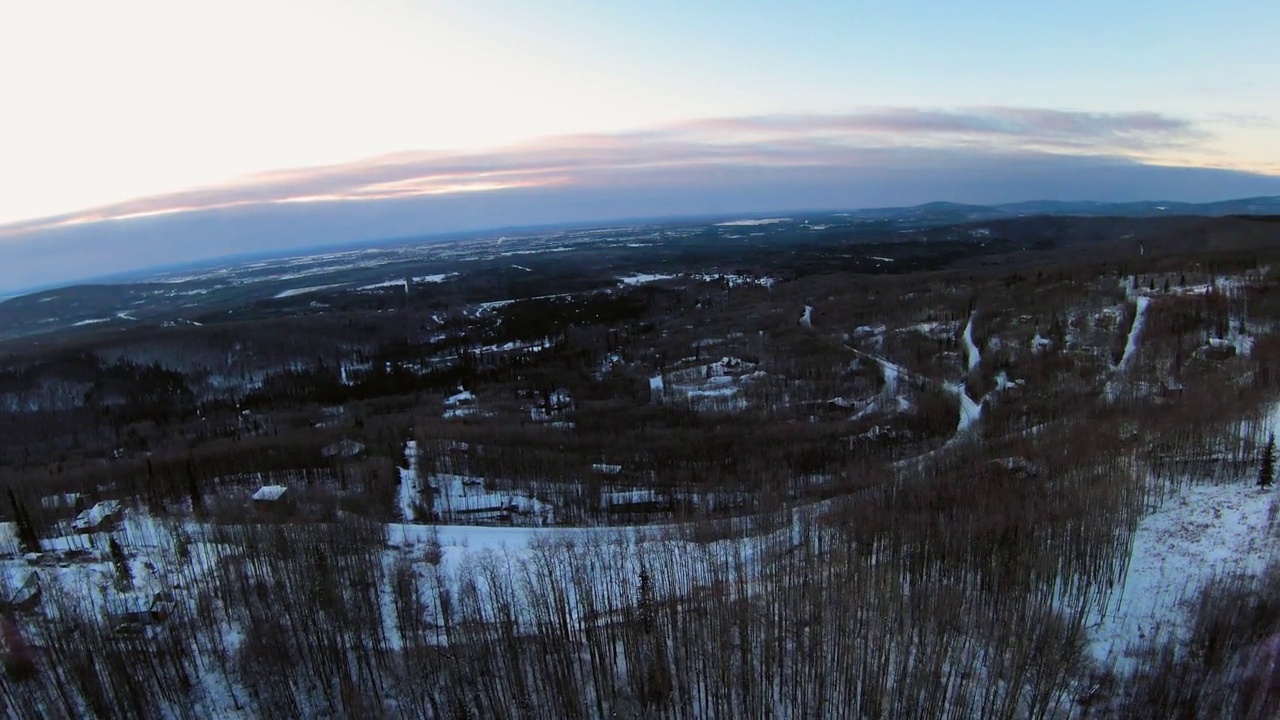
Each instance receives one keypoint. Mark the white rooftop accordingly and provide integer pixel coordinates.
(270, 493)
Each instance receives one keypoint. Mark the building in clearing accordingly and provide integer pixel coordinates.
(636, 500)
(134, 614)
(270, 494)
(274, 501)
(25, 594)
(343, 449)
(99, 518)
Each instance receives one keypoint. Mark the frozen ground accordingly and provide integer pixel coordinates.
(1204, 533)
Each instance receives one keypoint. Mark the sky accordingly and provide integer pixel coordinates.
(142, 132)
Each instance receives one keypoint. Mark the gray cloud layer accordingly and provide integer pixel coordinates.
(872, 158)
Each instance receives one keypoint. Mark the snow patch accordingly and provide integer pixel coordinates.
(640, 279)
(410, 490)
(1206, 532)
(435, 278)
(1135, 332)
(975, 358)
(304, 290)
(749, 223)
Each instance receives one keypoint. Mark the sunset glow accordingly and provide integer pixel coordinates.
(144, 110)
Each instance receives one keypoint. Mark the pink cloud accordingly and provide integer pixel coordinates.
(770, 141)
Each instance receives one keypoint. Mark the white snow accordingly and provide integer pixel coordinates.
(1206, 532)
(975, 358)
(390, 283)
(881, 259)
(1003, 382)
(304, 290)
(806, 320)
(656, 384)
(410, 483)
(639, 279)
(1135, 332)
(748, 223)
(970, 410)
(94, 321)
(734, 280)
(434, 278)
(462, 397)
(521, 267)
(463, 497)
(96, 515)
(270, 493)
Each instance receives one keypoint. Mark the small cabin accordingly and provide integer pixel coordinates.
(463, 398)
(25, 594)
(133, 614)
(273, 500)
(101, 517)
(343, 449)
(270, 494)
(629, 501)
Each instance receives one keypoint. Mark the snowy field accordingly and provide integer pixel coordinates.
(1204, 534)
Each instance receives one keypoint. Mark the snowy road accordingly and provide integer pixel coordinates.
(1135, 333)
(975, 357)
(410, 492)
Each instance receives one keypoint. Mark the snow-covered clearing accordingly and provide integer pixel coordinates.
(434, 278)
(1203, 534)
(304, 290)
(751, 223)
(640, 279)
(388, 284)
(494, 304)
(462, 497)
(714, 386)
(734, 280)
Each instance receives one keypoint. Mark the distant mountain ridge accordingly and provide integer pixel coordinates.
(949, 212)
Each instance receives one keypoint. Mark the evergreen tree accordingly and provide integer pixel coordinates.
(124, 574)
(193, 490)
(26, 531)
(1267, 470)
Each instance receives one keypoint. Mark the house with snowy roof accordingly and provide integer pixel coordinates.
(101, 517)
(273, 499)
